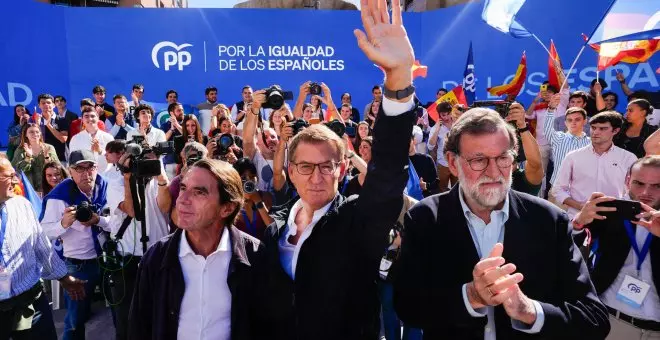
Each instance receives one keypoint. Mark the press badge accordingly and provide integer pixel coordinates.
(385, 265)
(632, 291)
(5, 284)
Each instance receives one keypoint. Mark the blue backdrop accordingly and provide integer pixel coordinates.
(68, 51)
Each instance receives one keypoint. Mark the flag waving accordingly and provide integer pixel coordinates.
(630, 52)
(628, 20)
(469, 80)
(513, 88)
(453, 97)
(501, 14)
(555, 72)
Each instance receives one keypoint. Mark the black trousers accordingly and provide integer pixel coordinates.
(43, 327)
(122, 293)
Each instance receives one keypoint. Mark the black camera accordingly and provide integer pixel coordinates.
(275, 97)
(298, 125)
(501, 106)
(141, 166)
(84, 212)
(194, 158)
(337, 127)
(249, 186)
(315, 89)
(223, 143)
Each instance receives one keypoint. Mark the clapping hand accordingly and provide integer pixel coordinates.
(492, 281)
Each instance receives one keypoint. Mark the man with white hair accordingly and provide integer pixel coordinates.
(452, 279)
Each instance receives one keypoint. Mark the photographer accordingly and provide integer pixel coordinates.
(315, 90)
(174, 128)
(152, 135)
(260, 146)
(254, 217)
(619, 260)
(224, 147)
(527, 180)
(157, 202)
(72, 212)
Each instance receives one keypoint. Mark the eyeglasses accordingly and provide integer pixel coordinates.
(481, 163)
(82, 170)
(13, 176)
(326, 168)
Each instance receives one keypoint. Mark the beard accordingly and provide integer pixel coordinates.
(489, 198)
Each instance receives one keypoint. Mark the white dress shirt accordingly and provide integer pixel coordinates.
(584, 172)
(77, 240)
(205, 312)
(440, 143)
(154, 136)
(155, 220)
(562, 143)
(83, 141)
(650, 309)
(485, 236)
(26, 251)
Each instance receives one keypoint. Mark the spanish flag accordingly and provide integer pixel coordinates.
(418, 70)
(555, 70)
(513, 88)
(629, 52)
(453, 97)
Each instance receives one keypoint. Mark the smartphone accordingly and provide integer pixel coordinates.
(350, 131)
(544, 87)
(625, 209)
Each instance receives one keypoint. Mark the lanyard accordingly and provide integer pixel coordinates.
(3, 228)
(251, 226)
(641, 254)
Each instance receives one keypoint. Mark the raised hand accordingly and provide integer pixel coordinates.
(386, 43)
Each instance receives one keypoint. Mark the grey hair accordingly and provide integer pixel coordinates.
(476, 122)
(195, 147)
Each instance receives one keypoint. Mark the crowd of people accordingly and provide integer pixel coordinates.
(258, 220)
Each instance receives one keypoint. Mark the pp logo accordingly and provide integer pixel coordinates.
(634, 288)
(174, 57)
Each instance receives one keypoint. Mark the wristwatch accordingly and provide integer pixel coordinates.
(260, 205)
(525, 129)
(351, 154)
(399, 94)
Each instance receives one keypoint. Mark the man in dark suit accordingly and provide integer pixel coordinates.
(635, 316)
(198, 282)
(323, 251)
(453, 281)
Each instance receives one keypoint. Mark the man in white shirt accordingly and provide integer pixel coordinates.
(206, 107)
(152, 135)
(598, 167)
(157, 202)
(63, 217)
(436, 142)
(91, 138)
(627, 253)
(198, 283)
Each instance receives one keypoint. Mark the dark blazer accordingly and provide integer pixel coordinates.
(438, 256)
(334, 295)
(159, 288)
(613, 249)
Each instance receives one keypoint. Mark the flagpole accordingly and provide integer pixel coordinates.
(542, 44)
(572, 66)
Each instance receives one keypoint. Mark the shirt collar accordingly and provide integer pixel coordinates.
(291, 222)
(223, 245)
(467, 212)
(604, 153)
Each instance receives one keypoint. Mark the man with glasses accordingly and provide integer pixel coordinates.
(25, 257)
(62, 217)
(452, 280)
(91, 138)
(324, 250)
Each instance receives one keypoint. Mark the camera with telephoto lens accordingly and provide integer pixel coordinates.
(337, 127)
(315, 89)
(249, 186)
(275, 97)
(140, 165)
(501, 106)
(84, 212)
(194, 158)
(223, 143)
(298, 124)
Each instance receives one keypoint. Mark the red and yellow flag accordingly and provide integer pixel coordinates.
(630, 52)
(418, 70)
(513, 88)
(555, 71)
(453, 97)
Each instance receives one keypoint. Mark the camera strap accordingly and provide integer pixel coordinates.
(124, 226)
